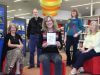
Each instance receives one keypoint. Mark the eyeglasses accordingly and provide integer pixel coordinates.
(35, 12)
(48, 21)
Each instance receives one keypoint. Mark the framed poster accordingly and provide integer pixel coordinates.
(51, 38)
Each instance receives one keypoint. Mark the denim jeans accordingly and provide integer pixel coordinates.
(55, 58)
(82, 57)
(33, 44)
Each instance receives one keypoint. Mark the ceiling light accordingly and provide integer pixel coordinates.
(66, 0)
(85, 4)
(11, 10)
(23, 14)
(19, 9)
(8, 6)
(9, 17)
(17, 0)
(21, 17)
(81, 5)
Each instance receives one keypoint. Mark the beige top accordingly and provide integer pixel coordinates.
(94, 41)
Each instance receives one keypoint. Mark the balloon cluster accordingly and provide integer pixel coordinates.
(50, 7)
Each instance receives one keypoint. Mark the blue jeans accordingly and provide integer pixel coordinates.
(33, 44)
(55, 58)
(82, 57)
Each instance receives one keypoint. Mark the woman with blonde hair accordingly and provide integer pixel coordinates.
(13, 46)
(50, 42)
(91, 47)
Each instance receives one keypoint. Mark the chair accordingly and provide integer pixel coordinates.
(52, 68)
(92, 65)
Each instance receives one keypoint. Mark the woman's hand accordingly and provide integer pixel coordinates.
(20, 46)
(82, 49)
(85, 51)
(76, 35)
(58, 44)
(65, 39)
(44, 44)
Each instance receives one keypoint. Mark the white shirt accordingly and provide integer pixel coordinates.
(94, 41)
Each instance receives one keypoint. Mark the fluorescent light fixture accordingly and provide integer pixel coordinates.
(19, 9)
(96, 2)
(23, 14)
(11, 10)
(21, 17)
(81, 5)
(66, 0)
(9, 17)
(8, 6)
(85, 4)
(17, 0)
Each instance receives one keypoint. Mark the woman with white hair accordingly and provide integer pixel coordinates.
(13, 46)
(91, 47)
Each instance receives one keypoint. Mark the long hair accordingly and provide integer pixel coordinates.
(75, 10)
(96, 26)
(9, 28)
(44, 26)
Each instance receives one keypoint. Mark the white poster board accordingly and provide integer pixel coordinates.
(51, 38)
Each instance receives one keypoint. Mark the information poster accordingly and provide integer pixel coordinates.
(3, 25)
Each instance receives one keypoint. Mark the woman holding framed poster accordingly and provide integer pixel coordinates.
(50, 42)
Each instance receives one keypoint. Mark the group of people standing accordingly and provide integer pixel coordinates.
(37, 34)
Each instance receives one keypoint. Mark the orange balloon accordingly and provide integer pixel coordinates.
(50, 14)
(50, 8)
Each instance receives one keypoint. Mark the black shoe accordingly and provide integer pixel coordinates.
(30, 67)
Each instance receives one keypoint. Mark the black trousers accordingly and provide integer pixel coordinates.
(82, 57)
(71, 41)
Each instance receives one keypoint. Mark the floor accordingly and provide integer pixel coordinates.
(36, 71)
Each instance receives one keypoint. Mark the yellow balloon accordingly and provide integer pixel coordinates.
(46, 3)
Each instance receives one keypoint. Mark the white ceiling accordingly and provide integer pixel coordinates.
(28, 5)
